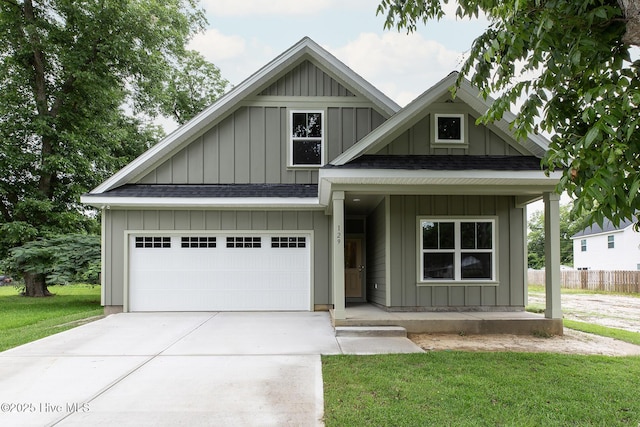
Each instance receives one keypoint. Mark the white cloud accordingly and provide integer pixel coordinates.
(263, 7)
(236, 57)
(400, 65)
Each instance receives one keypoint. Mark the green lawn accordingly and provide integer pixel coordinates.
(481, 389)
(23, 320)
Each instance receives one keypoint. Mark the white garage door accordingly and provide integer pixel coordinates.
(222, 272)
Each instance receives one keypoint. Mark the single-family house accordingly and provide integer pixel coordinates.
(607, 247)
(306, 188)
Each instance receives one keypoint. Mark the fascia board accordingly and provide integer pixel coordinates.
(342, 173)
(102, 201)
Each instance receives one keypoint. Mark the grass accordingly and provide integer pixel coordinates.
(478, 389)
(619, 334)
(23, 320)
(539, 289)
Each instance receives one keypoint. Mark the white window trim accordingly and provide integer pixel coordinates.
(290, 138)
(611, 241)
(463, 130)
(583, 245)
(457, 280)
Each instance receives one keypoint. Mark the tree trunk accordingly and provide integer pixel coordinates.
(35, 285)
(631, 9)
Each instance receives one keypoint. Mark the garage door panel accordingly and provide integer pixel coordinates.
(221, 278)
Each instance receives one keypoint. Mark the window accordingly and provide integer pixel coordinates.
(449, 128)
(198, 242)
(288, 242)
(583, 245)
(153, 242)
(457, 250)
(244, 242)
(611, 242)
(307, 136)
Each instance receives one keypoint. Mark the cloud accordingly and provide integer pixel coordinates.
(236, 57)
(400, 65)
(262, 7)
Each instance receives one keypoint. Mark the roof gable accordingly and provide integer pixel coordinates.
(386, 133)
(260, 82)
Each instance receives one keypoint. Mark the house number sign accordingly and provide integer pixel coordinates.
(339, 234)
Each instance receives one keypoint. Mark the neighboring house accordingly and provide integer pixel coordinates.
(607, 247)
(305, 188)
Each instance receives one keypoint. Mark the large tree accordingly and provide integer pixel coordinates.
(80, 81)
(569, 62)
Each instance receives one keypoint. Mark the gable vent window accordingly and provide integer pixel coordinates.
(288, 242)
(198, 242)
(449, 129)
(307, 137)
(153, 242)
(244, 242)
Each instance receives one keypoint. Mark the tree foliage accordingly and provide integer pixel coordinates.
(570, 63)
(535, 237)
(59, 260)
(79, 82)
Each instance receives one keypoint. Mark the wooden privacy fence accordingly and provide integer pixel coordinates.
(594, 280)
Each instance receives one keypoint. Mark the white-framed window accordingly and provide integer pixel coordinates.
(583, 245)
(449, 128)
(611, 243)
(306, 145)
(454, 250)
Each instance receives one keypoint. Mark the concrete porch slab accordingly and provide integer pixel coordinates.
(508, 322)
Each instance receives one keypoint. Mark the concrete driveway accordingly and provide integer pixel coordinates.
(167, 369)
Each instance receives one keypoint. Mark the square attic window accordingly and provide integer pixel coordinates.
(449, 128)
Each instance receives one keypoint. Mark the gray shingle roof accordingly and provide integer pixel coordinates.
(214, 190)
(607, 226)
(443, 162)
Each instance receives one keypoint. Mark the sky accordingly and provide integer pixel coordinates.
(244, 35)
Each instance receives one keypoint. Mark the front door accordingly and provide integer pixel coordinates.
(353, 269)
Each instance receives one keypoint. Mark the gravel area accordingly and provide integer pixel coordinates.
(614, 311)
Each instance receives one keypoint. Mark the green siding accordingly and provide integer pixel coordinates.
(482, 141)
(405, 291)
(251, 146)
(119, 221)
(306, 80)
(376, 255)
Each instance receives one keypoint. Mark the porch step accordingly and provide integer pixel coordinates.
(371, 331)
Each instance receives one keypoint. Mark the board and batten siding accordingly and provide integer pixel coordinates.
(376, 271)
(510, 225)
(119, 221)
(306, 80)
(250, 146)
(482, 141)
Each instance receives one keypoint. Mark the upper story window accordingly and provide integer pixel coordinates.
(457, 250)
(449, 128)
(611, 242)
(583, 245)
(307, 138)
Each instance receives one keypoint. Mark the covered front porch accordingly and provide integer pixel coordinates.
(468, 323)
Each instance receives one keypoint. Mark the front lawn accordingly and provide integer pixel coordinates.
(23, 319)
(481, 389)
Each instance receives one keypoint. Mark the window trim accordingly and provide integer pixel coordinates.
(457, 280)
(583, 245)
(611, 241)
(463, 141)
(290, 138)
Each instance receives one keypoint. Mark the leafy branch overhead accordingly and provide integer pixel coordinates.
(569, 63)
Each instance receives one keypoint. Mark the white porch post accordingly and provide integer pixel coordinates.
(552, 255)
(338, 255)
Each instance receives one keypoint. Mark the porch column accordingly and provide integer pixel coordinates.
(552, 255)
(338, 255)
